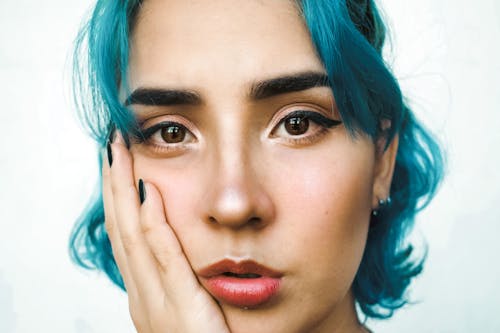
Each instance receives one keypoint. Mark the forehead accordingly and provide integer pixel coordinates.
(195, 42)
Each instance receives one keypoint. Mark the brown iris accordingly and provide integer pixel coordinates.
(173, 134)
(296, 125)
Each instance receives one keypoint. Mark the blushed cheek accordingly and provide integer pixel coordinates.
(325, 208)
(325, 202)
(182, 185)
(176, 182)
(325, 186)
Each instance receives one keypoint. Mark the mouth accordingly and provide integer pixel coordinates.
(242, 276)
(245, 284)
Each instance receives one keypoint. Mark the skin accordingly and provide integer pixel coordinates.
(239, 186)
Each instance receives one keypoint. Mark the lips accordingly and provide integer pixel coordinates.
(245, 284)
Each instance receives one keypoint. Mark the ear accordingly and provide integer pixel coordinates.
(385, 161)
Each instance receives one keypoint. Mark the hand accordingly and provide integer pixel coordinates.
(163, 292)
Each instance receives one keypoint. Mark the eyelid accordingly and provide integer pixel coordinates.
(165, 120)
(306, 109)
(148, 132)
(322, 124)
(150, 127)
(316, 117)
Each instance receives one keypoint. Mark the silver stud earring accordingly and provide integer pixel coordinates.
(382, 204)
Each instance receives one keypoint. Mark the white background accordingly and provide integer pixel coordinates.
(445, 53)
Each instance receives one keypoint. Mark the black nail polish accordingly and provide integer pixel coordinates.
(142, 191)
(110, 154)
(112, 132)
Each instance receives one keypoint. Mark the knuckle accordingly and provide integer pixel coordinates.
(166, 259)
(129, 242)
(147, 227)
(162, 257)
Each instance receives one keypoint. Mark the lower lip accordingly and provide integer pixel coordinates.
(243, 292)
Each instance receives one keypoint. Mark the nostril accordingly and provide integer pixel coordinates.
(254, 220)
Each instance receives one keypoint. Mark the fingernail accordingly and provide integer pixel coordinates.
(112, 132)
(142, 191)
(110, 154)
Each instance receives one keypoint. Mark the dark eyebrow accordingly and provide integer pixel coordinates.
(288, 84)
(259, 90)
(162, 97)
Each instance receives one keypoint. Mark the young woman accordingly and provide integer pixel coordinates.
(261, 168)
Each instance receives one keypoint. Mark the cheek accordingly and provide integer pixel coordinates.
(325, 201)
(335, 186)
(178, 182)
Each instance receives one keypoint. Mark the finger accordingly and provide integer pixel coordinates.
(141, 263)
(110, 225)
(185, 298)
(175, 270)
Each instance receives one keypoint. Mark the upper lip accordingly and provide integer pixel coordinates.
(242, 267)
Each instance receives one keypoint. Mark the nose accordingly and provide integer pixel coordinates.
(236, 194)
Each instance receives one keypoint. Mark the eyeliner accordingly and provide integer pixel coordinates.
(316, 117)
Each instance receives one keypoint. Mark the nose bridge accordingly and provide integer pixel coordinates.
(234, 156)
(236, 194)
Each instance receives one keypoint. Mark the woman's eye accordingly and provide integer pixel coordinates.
(303, 126)
(296, 125)
(165, 134)
(173, 134)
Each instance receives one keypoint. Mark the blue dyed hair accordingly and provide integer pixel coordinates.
(349, 36)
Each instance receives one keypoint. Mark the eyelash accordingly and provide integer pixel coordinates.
(317, 118)
(144, 135)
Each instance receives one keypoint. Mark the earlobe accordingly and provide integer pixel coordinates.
(385, 160)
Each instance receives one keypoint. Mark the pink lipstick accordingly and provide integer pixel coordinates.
(244, 284)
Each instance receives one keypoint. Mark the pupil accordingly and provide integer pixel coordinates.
(173, 134)
(296, 125)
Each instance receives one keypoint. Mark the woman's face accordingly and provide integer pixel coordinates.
(243, 175)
